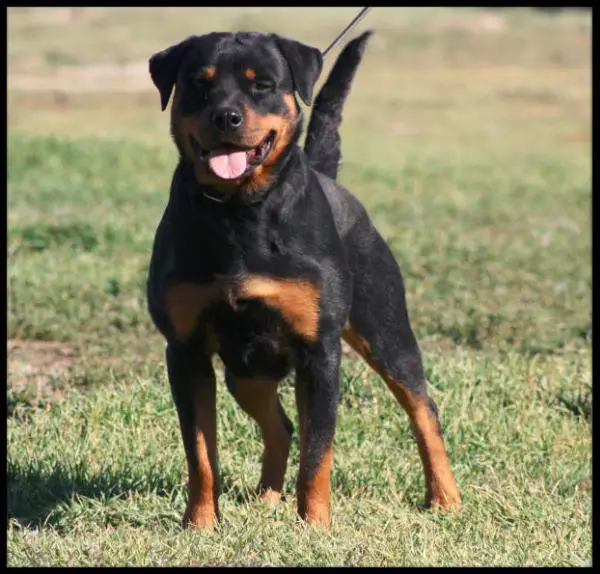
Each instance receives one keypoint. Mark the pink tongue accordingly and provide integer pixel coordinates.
(228, 165)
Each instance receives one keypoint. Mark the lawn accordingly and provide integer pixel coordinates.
(468, 137)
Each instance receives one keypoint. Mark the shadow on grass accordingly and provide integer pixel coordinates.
(34, 498)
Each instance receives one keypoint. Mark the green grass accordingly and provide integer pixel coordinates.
(474, 162)
(97, 477)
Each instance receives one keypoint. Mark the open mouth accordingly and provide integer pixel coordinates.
(229, 161)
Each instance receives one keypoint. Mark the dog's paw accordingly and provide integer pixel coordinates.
(447, 501)
(316, 515)
(198, 517)
(269, 496)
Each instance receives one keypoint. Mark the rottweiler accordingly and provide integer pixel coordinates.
(263, 258)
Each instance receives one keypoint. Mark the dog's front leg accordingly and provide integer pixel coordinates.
(317, 396)
(193, 387)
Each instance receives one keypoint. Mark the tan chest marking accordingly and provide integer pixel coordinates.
(185, 303)
(296, 300)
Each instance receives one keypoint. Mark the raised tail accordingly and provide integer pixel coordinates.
(322, 145)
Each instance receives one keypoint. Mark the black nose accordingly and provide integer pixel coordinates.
(227, 119)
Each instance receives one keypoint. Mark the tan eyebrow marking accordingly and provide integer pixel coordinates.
(209, 72)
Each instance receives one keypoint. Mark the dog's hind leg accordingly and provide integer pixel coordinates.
(259, 399)
(379, 330)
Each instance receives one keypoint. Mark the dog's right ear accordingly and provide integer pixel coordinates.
(164, 66)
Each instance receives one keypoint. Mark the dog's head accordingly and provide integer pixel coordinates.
(234, 113)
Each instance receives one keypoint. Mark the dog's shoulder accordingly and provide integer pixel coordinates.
(169, 227)
(347, 210)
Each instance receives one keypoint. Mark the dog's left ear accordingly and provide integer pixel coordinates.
(164, 66)
(305, 63)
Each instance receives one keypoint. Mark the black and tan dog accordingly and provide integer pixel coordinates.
(263, 258)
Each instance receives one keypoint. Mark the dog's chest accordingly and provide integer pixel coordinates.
(252, 321)
(252, 338)
(230, 302)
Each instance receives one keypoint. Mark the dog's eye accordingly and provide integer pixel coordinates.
(200, 86)
(263, 86)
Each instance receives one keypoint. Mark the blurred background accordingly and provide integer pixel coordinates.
(429, 74)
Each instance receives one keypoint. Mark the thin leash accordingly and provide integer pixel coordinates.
(347, 29)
